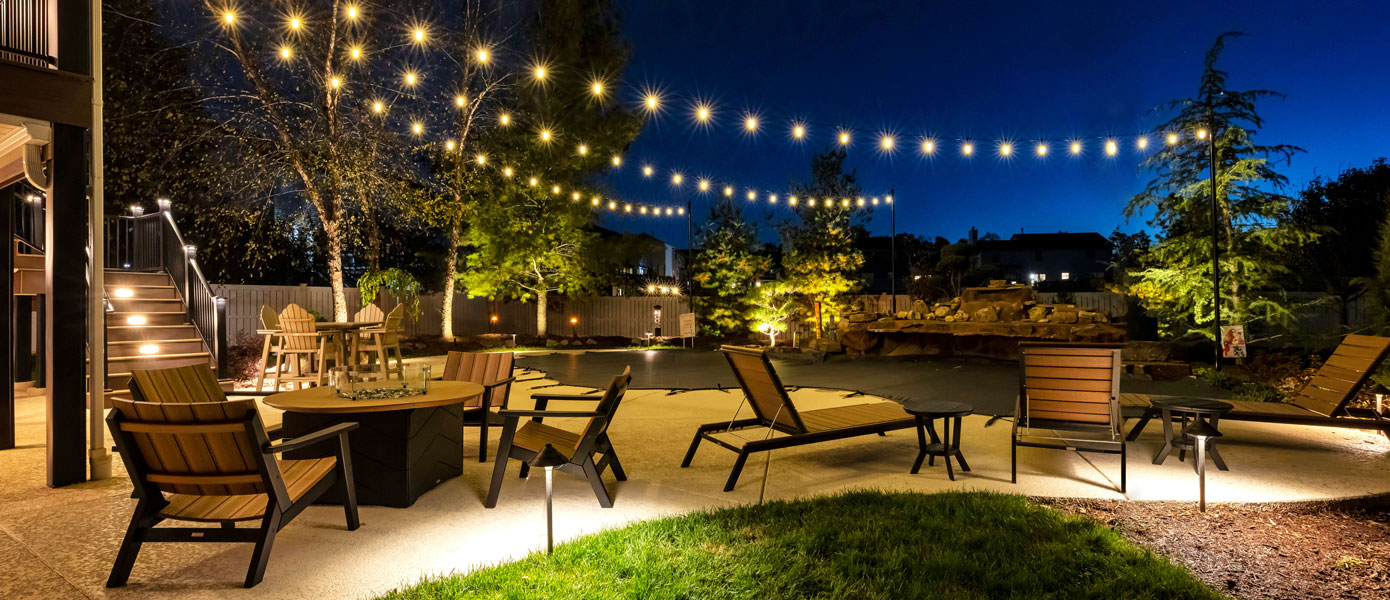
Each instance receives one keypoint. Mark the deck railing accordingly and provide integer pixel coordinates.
(153, 243)
(24, 29)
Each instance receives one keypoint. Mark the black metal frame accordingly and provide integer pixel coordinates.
(279, 509)
(796, 435)
(1346, 418)
(485, 418)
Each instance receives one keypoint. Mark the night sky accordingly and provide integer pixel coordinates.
(986, 70)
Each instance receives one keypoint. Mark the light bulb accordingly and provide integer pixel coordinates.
(419, 34)
(1076, 147)
(295, 23)
(229, 17)
(751, 123)
(646, 170)
(583, 149)
(378, 106)
(752, 195)
(410, 78)
(617, 160)
(652, 102)
(728, 192)
(1042, 149)
(532, 181)
(481, 159)
(886, 142)
(504, 119)
(484, 55)
(356, 52)
(286, 52)
(967, 149)
(702, 113)
(844, 138)
(799, 131)
(1142, 143)
(704, 185)
(335, 82)
(928, 146)
(449, 145)
(677, 178)
(545, 135)
(1172, 139)
(540, 73)
(417, 128)
(460, 100)
(597, 88)
(1006, 149)
(1111, 147)
(1201, 134)
(507, 172)
(352, 12)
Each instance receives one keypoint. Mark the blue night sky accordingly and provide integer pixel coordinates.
(987, 71)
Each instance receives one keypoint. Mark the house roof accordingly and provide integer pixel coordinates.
(1048, 241)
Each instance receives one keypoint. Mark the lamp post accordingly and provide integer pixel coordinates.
(656, 321)
(1201, 432)
(1215, 249)
(549, 458)
(892, 253)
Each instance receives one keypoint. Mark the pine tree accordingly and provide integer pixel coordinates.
(725, 269)
(1252, 233)
(821, 258)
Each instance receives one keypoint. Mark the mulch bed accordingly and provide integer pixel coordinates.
(1338, 549)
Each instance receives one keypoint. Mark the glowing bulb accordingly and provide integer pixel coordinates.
(967, 149)
(860, 202)
(504, 119)
(799, 131)
(676, 179)
(643, 210)
(845, 201)
(352, 12)
(410, 78)
(575, 196)
(728, 191)
(772, 198)
(652, 102)
(545, 135)
(1111, 147)
(874, 201)
(668, 211)
(229, 17)
(449, 145)
(646, 170)
(507, 172)
(704, 185)
(417, 128)
(356, 52)
(752, 195)
(886, 142)
(419, 34)
(484, 55)
(928, 146)
(123, 293)
(135, 320)
(889, 199)
(844, 138)
(1142, 143)
(540, 73)
(481, 159)
(378, 106)
(597, 88)
(594, 201)
(1042, 149)
(617, 160)
(1076, 147)
(460, 100)
(811, 202)
(702, 113)
(583, 149)
(680, 211)
(149, 349)
(612, 205)
(791, 201)
(335, 82)
(1201, 134)
(627, 208)
(1006, 149)
(295, 23)
(286, 52)
(555, 189)
(1172, 139)
(751, 123)
(532, 181)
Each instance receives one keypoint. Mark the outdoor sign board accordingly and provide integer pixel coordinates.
(1233, 341)
(687, 325)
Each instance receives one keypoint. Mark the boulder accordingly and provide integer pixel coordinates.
(860, 317)
(590, 342)
(998, 283)
(919, 306)
(962, 316)
(988, 314)
(903, 314)
(942, 310)
(1062, 315)
(826, 345)
(1037, 313)
(550, 343)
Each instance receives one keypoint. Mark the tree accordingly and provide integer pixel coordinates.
(821, 257)
(725, 269)
(1346, 212)
(772, 304)
(527, 240)
(1252, 234)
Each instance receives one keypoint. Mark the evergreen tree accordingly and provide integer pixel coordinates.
(1346, 212)
(1252, 234)
(725, 269)
(821, 255)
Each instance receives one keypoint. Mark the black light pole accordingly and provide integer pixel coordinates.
(689, 260)
(893, 251)
(1215, 264)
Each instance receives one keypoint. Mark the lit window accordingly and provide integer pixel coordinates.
(1066, 276)
(1042, 276)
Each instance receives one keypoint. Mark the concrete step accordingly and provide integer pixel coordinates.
(148, 305)
(146, 318)
(144, 348)
(149, 292)
(115, 277)
(138, 333)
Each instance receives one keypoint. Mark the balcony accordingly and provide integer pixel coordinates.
(28, 32)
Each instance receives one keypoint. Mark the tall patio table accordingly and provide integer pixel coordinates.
(403, 447)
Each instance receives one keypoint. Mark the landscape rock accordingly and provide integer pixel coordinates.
(988, 314)
(860, 317)
(919, 306)
(550, 343)
(1037, 313)
(1061, 315)
(942, 310)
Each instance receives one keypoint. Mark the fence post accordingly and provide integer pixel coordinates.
(220, 335)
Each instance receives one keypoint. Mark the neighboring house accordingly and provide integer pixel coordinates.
(651, 262)
(1048, 259)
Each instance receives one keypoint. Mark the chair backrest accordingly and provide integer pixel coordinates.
(269, 320)
(189, 383)
(1069, 386)
(370, 313)
(298, 327)
(1336, 383)
(763, 388)
(484, 368)
(199, 448)
(392, 326)
(607, 407)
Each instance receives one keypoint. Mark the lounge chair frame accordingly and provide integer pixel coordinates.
(1068, 406)
(793, 426)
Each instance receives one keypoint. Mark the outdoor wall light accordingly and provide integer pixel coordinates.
(549, 458)
(656, 320)
(1201, 431)
(137, 210)
(165, 204)
(135, 320)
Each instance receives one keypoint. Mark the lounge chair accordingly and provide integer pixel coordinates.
(1322, 402)
(1068, 389)
(212, 462)
(773, 411)
(524, 441)
(492, 370)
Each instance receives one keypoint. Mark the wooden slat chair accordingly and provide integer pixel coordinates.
(379, 343)
(1322, 402)
(492, 370)
(773, 409)
(211, 462)
(300, 340)
(1073, 389)
(523, 441)
(270, 322)
(370, 313)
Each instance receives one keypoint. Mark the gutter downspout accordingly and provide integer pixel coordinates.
(98, 456)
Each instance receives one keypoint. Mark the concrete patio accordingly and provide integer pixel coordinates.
(59, 543)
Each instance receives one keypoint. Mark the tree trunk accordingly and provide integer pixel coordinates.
(446, 320)
(541, 298)
(335, 269)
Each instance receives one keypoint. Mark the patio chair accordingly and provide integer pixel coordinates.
(270, 323)
(380, 342)
(523, 441)
(1323, 401)
(300, 340)
(773, 411)
(211, 462)
(1068, 389)
(492, 370)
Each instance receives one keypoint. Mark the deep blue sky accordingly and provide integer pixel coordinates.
(989, 70)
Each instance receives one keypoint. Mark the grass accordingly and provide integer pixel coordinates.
(855, 545)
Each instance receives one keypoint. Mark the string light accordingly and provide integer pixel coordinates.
(704, 185)
(352, 12)
(411, 78)
(750, 123)
(617, 160)
(676, 179)
(540, 73)
(460, 100)
(702, 112)
(507, 172)
(555, 189)
(504, 119)
(612, 205)
(355, 52)
(583, 149)
(1076, 147)
(728, 191)
(1142, 143)
(844, 138)
(575, 196)
(886, 142)
(596, 87)
(594, 201)
(378, 106)
(646, 170)
(418, 34)
(1006, 149)
(798, 131)
(1042, 150)
(791, 201)
(1172, 139)
(1111, 148)
(295, 23)
(928, 146)
(967, 149)
(417, 128)
(229, 17)
(1201, 134)
(752, 195)
(545, 135)
(335, 82)
(481, 159)
(772, 198)
(449, 145)
(532, 181)
(652, 102)
(286, 52)
(483, 55)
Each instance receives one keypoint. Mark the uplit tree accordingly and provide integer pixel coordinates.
(821, 258)
(1251, 231)
(725, 268)
(773, 304)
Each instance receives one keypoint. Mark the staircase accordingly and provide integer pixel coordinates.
(149, 328)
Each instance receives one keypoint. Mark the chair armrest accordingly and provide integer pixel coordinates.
(310, 439)
(498, 383)
(576, 397)
(509, 413)
(275, 432)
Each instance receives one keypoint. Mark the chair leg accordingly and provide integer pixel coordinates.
(499, 469)
(611, 458)
(279, 367)
(525, 471)
(130, 546)
(1122, 468)
(690, 454)
(265, 362)
(482, 434)
(1013, 460)
(261, 555)
(738, 468)
(596, 481)
(348, 483)
(1139, 427)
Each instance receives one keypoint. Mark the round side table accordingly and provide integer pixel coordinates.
(1198, 409)
(926, 412)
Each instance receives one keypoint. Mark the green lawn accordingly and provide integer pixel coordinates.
(856, 545)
